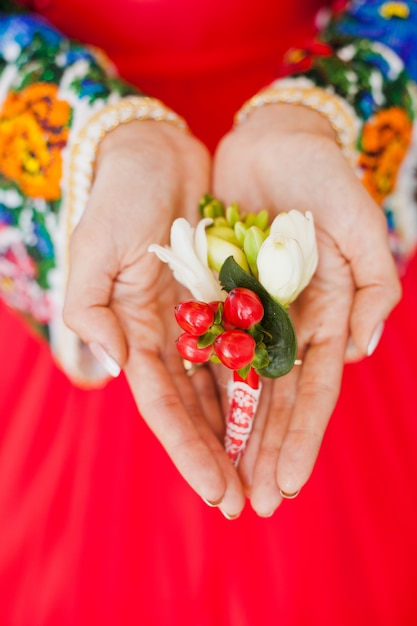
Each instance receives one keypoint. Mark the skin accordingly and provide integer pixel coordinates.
(122, 297)
(286, 157)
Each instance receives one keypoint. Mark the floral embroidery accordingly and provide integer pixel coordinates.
(34, 128)
(51, 85)
(300, 60)
(394, 9)
(367, 53)
(18, 287)
(393, 24)
(385, 139)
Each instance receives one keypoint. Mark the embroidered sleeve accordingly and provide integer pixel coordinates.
(49, 88)
(365, 58)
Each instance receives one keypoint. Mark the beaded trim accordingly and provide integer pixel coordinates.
(85, 148)
(338, 113)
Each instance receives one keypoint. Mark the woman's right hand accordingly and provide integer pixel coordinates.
(120, 298)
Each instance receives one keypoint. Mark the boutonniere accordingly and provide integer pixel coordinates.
(243, 272)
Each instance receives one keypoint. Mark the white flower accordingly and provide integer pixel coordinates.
(288, 258)
(187, 258)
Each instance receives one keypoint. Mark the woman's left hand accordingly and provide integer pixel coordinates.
(285, 157)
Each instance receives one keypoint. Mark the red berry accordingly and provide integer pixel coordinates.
(243, 308)
(194, 317)
(214, 304)
(235, 348)
(188, 349)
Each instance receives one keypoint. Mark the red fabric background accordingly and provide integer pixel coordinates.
(96, 526)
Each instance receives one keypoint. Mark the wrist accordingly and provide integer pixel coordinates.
(290, 118)
(136, 135)
(331, 107)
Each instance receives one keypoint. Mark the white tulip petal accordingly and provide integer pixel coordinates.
(200, 239)
(296, 225)
(280, 265)
(186, 260)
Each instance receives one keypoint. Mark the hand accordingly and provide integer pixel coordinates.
(285, 157)
(120, 298)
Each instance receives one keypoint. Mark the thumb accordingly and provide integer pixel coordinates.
(93, 269)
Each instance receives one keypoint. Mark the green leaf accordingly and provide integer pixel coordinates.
(261, 357)
(219, 314)
(257, 333)
(208, 338)
(244, 371)
(280, 339)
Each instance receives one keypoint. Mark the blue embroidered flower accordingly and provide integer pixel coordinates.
(76, 53)
(43, 241)
(6, 217)
(21, 30)
(366, 105)
(91, 88)
(391, 23)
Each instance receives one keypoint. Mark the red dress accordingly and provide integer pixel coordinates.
(97, 527)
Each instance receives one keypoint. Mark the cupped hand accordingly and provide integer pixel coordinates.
(286, 157)
(120, 298)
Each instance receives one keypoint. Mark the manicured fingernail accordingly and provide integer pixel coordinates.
(289, 496)
(212, 502)
(376, 336)
(227, 516)
(104, 359)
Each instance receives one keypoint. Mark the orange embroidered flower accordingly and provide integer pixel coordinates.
(33, 130)
(385, 141)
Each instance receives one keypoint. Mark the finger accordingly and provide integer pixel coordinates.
(265, 496)
(317, 392)
(378, 288)
(249, 458)
(197, 384)
(201, 401)
(371, 306)
(93, 269)
(204, 388)
(180, 427)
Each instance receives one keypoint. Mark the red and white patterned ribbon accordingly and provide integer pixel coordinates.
(243, 403)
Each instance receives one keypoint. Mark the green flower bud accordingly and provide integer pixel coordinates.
(222, 232)
(210, 207)
(262, 219)
(221, 221)
(240, 232)
(232, 214)
(207, 211)
(254, 239)
(219, 250)
(250, 220)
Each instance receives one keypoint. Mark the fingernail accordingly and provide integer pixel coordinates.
(212, 502)
(227, 516)
(376, 336)
(289, 496)
(104, 359)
